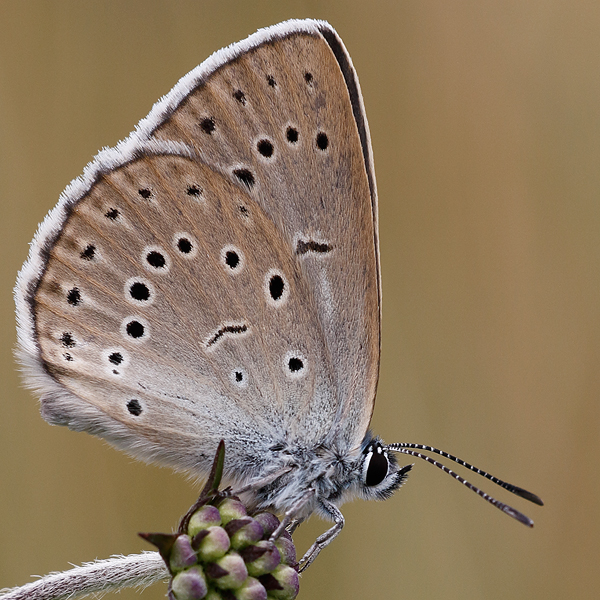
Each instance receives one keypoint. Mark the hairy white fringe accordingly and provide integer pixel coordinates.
(97, 577)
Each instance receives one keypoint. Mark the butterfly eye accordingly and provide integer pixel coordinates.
(377, 466)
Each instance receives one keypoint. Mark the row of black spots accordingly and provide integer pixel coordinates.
(67, 341)
(321, 140)
(294, 364)
(266, 149)
(303, 247)
(157, 260)
(134, 328)
(308, 78)
(192, 189)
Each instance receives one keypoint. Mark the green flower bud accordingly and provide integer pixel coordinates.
(182, 554)
(189, 584)
(287, 550)
(251, 589)
(244, 532)
(268, 521)
(287, 582)
(214, 544)
(236, 570)
(213, 595)
(266, 562)
(206, 516)
(231, 509)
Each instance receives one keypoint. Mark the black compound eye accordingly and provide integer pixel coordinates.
(377, 468)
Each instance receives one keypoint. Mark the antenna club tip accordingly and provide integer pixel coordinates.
(527, 495)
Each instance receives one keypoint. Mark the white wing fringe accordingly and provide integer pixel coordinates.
(97, 577)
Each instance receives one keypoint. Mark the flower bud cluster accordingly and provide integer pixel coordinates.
(226, 554)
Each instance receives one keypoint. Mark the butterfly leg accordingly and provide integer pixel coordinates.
(294, 525)
(325, 538)
(288, 517)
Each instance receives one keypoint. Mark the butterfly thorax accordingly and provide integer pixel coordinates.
(314, 474)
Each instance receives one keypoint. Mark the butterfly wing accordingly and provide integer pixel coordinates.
(216, 274)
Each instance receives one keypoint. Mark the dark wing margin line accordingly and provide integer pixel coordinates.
(355, 98)
(358, 109)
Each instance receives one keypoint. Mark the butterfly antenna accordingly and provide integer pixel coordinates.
(412, 450)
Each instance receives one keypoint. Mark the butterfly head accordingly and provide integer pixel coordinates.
(380, 476)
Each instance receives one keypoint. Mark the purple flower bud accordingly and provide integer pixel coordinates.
(182, 554)
(250, 532)
(287, 550)
(252, 589)
(266, 562)
(231, 509)
(286, 534)
(233, 563)
(189, 584)
(205, 516)
(287, 577)
(214, 544)
(268, 521)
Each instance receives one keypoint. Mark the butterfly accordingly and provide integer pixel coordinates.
(215, 276)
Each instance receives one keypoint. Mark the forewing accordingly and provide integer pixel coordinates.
(289, 114)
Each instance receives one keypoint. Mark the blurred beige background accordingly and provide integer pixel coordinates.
(485, 119)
